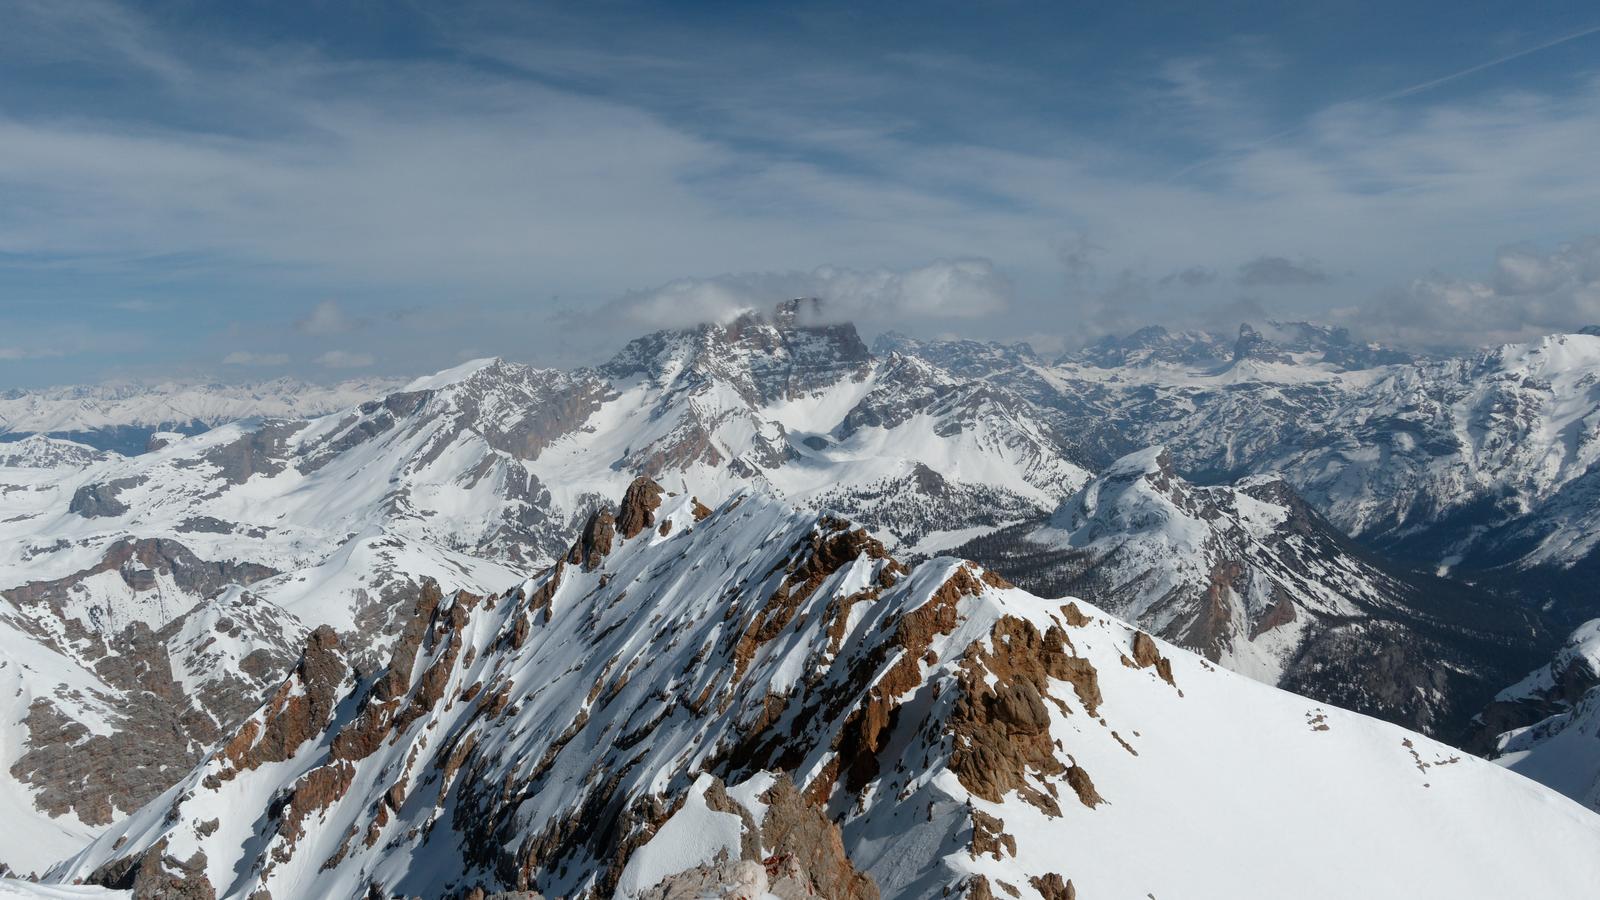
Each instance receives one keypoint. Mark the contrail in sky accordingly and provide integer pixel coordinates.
(1429, 85)
(1396, 95)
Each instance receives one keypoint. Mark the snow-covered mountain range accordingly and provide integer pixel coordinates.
(1248, 575)
(122, 416)
(801, 715)
(1470, 463)
(151, 596)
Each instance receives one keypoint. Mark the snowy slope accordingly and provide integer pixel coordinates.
(799, 700)
(41, 452)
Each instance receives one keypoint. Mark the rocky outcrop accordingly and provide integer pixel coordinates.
(595, 541)
(1001, 723)
(637, 511)
(798, 832)
(299, 711)
(138, 562)
(1147, 654)
(1052, 887)
(167, 703)
(94, 501)
(263, 450)
(158, 876)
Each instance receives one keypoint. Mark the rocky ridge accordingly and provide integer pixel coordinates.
(759, 697)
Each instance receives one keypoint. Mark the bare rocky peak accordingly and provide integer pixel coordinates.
(1289, 342)
(765, 357)
(1154, 345)
(961, 357)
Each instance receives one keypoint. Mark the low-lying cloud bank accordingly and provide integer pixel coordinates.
(1527, 292)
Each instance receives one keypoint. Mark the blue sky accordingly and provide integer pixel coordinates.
(251, 189)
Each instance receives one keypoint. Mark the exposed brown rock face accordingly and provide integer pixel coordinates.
(1082, 785)
(298, 712)
(831, 547)
(795, 828)
(1052, 887)
(1146, 654)
(158, 876)
(595, 542)
(316, 790)
(989, 836)
(1281, 612)
(1074, 616)
(1002, 733)
(1211, 629)
(867, 728)
(403, 657)
(804, 855)
(638, 509)
(977, 888)
(381, 711)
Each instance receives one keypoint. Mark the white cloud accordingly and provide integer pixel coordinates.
(944, 289)
(344, 359)
(15, 353)
(1528, 292)
(327, 318)
(246, 358)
